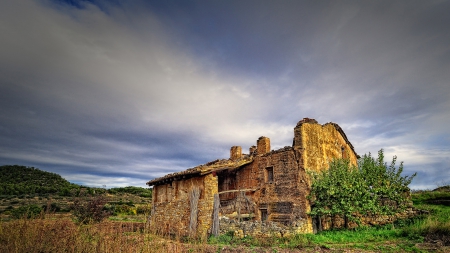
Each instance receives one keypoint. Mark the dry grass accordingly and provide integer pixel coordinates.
(63, 235)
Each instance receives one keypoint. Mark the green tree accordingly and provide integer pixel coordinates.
(385, 182)
(370, 188)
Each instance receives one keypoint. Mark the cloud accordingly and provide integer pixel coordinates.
(135, 90)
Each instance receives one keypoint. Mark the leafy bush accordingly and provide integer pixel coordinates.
(372, 187)
(30, 211)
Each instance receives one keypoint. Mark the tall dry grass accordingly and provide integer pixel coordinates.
(63, 235)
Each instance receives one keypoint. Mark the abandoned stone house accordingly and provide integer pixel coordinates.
(262, 186)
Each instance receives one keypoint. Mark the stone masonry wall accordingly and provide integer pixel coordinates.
(275, 187)
(320, 144)
(263, 145)
(206, 206)
(172, 207)
(245, 179)
(235, 152)
(369, 220)
(285, 197)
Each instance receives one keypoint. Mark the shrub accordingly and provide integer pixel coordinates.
(125, 209)
(53, 207)
(144, 209)
(90, 211)
(372, 187)
(29, 211)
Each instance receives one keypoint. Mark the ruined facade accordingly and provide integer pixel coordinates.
(263, 186)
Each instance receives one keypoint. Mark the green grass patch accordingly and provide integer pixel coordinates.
(359, 235)
(297, 241)
(424, 197)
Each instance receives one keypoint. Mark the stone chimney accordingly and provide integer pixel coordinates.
(263, 145)
(252, 149)
(235, 152)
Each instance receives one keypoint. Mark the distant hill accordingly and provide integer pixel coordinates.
(445, 188)
(17, 180)
(22, 180)
(138, 191)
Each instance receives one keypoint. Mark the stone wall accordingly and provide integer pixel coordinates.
(329, 222)
(284, 198)
(171, 205)
(320, 144)
(206, 206)
(272, 188)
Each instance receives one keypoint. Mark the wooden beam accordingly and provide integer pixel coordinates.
(242, 190)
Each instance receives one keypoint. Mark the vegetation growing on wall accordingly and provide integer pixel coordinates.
(373, 187)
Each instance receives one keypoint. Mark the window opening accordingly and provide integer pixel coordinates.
(269, 174)
(264, 214)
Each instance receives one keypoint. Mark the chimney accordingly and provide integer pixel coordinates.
(235, 152)
(252, 149)
(263, 145)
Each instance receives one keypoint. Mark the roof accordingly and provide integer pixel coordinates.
(216, 165)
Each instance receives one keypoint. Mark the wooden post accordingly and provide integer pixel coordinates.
(194, 196)
(215, 230)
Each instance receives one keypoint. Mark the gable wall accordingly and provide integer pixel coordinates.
(320, 144)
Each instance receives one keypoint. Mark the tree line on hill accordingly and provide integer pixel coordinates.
(23, 180)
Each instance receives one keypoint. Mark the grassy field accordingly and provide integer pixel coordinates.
(127, 233)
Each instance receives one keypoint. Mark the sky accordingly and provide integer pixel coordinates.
(116, 93)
